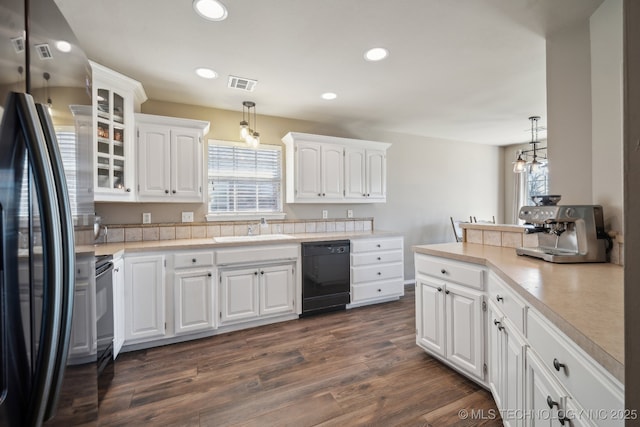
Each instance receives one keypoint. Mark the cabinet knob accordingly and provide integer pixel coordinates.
(379, 258)
(262, 272)
(378, 245)
(443, 271)
(558, 365)
(128, 190)
(323, 194)
(319, 194)
(209, 274)
(551, 403)
(379, 273)
(255, 273)
(499, 298)
(364, 195)
(379, 290)
(193, 260)
(166, 191)
(439, 289)
(447, 292)
(498, 324)
(368, 194)
(173, 191)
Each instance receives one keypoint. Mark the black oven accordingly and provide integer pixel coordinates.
(104, 322)
(325, 276)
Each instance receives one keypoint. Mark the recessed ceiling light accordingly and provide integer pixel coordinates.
(63, 46)
(206, 73)
(212, 10)
(329, 96)
(376, 54)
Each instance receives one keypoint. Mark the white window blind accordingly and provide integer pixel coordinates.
(67, 145)
(244, 180)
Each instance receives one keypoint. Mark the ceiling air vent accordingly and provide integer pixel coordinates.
(18, 44)
(44, 51)
(242, 83)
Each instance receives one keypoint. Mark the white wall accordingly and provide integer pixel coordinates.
(569, 114)
(606, 119)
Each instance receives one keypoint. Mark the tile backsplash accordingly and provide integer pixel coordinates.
(150, 232)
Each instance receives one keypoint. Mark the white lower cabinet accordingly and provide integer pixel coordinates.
(192, 291)
(118, 306)
(193, 302)
(506, 366)
(544, 398)
(252, 292)
(449, 323)
(144, 297)
(377, 269)
(537, 375)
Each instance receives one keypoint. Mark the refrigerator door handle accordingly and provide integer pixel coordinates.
(51, 255)
(68, 258)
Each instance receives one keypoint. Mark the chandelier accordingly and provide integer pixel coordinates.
(247, 131)
(520, 165)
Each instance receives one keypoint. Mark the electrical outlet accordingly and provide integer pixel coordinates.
(146, 218)
(187, 216)
(325, 214)
(349, 213)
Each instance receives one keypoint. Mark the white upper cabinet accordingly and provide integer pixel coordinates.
(325, 169)
(170, 159)
(115, 99)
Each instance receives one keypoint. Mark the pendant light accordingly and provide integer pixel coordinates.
(520, 165)
(250, 136)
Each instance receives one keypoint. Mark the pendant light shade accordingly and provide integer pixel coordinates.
(520, 165)
(247, 131)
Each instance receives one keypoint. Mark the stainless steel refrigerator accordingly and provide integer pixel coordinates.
(46, 222)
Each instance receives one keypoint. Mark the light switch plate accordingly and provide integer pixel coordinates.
(349, 213)
(325, 214)
(187, 216)
(146, 218)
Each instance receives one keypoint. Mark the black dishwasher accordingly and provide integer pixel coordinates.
(325, 276)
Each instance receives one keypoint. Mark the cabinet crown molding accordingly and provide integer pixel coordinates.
(116, 79)
(173, 122)
(293, 137)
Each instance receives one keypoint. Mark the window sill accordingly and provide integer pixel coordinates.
(246, 217)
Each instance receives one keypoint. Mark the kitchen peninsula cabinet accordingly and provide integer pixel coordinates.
(115, 99)
(449, 313)
(325, 169)
(537, 373)
(170, 161)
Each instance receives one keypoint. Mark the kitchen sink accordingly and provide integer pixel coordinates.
(256, 238)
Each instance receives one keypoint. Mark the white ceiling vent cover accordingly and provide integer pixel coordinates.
(242, 83)
(44, 51)
(18, 44)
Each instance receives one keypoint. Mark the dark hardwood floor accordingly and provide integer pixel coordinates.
(358, 367)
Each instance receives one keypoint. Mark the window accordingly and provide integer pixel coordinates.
(244, 180)
(68, 152)
(537, 181)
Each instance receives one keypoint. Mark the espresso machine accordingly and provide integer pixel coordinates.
(566, 234)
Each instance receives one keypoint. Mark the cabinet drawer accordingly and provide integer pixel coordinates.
(376, 244)
(257, 253)
(377, 290)
(375, 258)
(193, 259)
(376, 272)
(511, 305)
(461, 272)
(585, 379)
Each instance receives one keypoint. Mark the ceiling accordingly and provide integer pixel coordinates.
(470, 70)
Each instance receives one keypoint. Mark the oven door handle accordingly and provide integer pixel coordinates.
(104, 271)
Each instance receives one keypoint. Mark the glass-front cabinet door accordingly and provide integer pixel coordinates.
(116, 98)
(111, 128)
